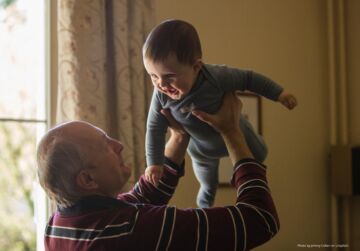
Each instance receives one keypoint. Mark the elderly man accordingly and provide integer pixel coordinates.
(81, 168)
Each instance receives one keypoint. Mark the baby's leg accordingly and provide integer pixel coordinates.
(255, 141)
(206, 172)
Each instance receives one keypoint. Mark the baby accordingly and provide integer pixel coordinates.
(173, 58)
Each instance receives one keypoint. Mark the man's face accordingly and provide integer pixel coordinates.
(172, 78)
(104, 154)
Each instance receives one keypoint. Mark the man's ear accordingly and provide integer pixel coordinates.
(85, 180)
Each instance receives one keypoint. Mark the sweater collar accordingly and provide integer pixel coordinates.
(92, 203)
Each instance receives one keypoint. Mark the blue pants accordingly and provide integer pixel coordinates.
(205, 163)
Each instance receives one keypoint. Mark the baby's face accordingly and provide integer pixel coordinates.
(172, 78)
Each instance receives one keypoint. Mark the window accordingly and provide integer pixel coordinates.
(23, 119)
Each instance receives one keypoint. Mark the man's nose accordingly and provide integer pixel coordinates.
(119, 147)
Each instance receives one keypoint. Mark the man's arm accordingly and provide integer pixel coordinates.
(249, 222)
(253, 219)
(227, 126)
(177, 144)
(175, 149)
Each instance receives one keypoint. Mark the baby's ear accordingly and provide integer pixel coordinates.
(198, 64)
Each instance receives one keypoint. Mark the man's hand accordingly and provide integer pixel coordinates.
(228, 116)
(226, 121)
(174, 126)
(288, 100)
(154, 173)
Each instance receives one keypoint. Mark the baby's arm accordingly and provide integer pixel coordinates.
(155, 140)
(288, 100)
(268, 88)
(173, 150)
(255, 82)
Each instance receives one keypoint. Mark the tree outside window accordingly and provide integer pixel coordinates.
(22, 116)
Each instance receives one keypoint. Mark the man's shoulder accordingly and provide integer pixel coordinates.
(111, 223)
(95, 216)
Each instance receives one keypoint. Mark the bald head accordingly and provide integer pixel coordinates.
(77, 159)
(60, 157)
(72, 131)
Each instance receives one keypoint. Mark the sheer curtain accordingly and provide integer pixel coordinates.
(101, 78)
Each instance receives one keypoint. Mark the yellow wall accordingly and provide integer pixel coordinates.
(287, 41)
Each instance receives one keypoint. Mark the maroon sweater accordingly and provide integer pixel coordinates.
(142, 220)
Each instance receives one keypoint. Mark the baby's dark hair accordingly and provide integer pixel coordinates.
(173, 37)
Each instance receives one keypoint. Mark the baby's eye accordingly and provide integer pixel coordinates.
(169, 80)
(154, 77)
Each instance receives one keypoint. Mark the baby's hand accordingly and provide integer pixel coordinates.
(154, 173)
(288, 100)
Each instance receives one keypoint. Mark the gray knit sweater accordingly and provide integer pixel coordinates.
(212, 83)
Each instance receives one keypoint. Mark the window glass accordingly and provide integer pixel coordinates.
(17, 175)
(22, 122)
(22, 58)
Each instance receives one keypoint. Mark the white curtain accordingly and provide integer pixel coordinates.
(101, 78)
